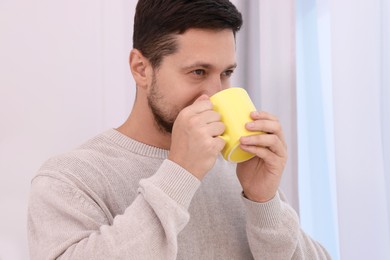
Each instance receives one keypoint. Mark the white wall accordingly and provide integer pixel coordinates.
(63, 79)
(386, 95)
(357, 60)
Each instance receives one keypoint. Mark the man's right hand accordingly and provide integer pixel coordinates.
(195, 144)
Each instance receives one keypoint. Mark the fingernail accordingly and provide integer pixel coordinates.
(250, 125)
(256, 113)
(243, 140)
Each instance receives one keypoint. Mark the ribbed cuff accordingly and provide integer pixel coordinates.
(267, 214)
(176, 182)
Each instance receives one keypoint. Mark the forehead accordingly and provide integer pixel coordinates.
(215, 47)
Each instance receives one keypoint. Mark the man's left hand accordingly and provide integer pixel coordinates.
(260, 176)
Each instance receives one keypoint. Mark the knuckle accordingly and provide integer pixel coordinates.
(209, 143)
(217, 115)
(275, 139)
(278, 127)
(221, 127)
(183, 113)
(209, 148)
(208, 104)
(193, 121)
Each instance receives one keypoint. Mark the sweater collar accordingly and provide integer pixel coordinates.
(135, 146)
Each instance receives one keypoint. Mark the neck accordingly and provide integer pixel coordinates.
(142, 127)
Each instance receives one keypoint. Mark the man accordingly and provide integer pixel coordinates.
(156, 187)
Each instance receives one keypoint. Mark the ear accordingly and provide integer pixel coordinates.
(139, 66)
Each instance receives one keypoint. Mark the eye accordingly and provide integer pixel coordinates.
(228, 73)
(199, 72)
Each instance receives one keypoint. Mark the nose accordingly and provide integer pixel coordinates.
(213, 86)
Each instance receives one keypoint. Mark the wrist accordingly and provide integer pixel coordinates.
(258, 198)
(188, 167)
(262, 215)
(175, 181)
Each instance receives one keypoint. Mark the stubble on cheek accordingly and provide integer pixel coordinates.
(163, 112)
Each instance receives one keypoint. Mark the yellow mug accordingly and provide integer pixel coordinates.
(235, 106)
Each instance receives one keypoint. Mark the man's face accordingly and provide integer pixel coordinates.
(203, 64)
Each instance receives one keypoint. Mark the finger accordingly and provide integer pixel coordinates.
(202, 97)
(201, 120)
(270, 141)
(256, 115)
(209, 116)
(215, 129)
(263, 153)
(200, 105)
(265, 122)
(267, 126)
(219, 143)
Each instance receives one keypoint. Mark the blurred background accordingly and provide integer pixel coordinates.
(321, 66)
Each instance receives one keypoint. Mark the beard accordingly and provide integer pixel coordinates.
(164, 116)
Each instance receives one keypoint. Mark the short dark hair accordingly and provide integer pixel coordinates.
(157, 22)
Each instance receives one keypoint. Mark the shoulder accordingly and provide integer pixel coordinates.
(85, 164)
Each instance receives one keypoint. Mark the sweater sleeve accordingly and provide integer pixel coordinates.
(274, 233)
(65, 223)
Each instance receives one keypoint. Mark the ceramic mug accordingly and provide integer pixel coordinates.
(235, 106)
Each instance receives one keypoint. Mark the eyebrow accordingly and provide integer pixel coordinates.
(206, 66)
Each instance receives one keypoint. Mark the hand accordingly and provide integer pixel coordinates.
(260, 176)
(195, 143)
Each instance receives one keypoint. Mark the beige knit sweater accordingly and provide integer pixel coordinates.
(116, 198)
